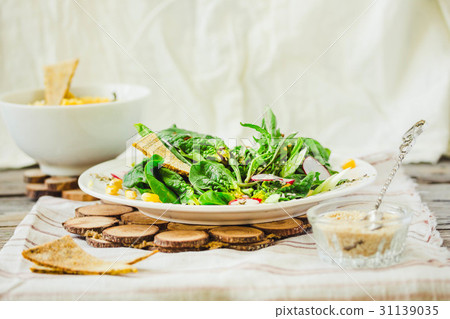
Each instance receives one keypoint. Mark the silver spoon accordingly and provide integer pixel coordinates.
(409, 138)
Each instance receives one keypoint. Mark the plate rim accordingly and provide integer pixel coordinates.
(209, 209)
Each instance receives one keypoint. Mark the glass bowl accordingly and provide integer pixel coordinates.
(344, 237)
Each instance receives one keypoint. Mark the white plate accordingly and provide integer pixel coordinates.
(224, 214)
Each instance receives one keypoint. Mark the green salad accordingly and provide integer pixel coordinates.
(198, 169)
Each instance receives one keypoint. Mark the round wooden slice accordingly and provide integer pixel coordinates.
(130, 234)
(100, 243)
(61, 183)
(252, 246)
(80, 225)
(177, 226)
(181, 239)
(34, 191)
(77, 194)
(33, 176)
(304, 220)
(282, 228)
(178, 250)
(237, 234)
(137, 218)
(105, 210)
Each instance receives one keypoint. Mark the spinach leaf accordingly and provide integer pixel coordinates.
(195, 145)
(208, 175)
(176, 183)
(301, 188)
(136, 176)
(215, 198)
(157, 187)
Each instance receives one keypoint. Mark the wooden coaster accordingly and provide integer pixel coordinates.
(181, 239)
(177, 226)
(61, 183)
(103, 210)
(237, 234)
(80, 225)
(34, 176)
(304, 220)
(282, 228)
(178, 250)
(34, 191)
(101, 243)
(78, 195)
(252, 246)
(137, 218)
(130, 234)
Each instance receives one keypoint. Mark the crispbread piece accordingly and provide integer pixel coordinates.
(151, 144)
(58, 271)
(66, 256)
(57, 78)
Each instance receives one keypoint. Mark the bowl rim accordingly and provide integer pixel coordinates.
(314, 213)
(146, 92)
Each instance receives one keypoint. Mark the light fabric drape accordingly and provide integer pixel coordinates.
(356, 73)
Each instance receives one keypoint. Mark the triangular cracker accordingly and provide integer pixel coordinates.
(65, 256)
(57, 78)
(151, 144)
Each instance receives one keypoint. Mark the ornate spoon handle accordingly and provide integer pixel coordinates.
(409, 138)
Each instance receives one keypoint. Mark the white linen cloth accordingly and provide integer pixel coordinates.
(290, 269)
(366, 70)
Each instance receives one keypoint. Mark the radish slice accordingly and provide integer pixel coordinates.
(310, 164)
(245, 201)
(119, 175)
(271, 178)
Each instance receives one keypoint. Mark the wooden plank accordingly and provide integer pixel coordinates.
(11, 182)
(15, 204)
(430, 173)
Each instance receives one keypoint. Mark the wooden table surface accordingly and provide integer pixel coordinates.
(433, 185)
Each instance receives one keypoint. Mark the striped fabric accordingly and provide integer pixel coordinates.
(289, 270)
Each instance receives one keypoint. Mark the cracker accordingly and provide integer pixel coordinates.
(66, 256)
(57, 78)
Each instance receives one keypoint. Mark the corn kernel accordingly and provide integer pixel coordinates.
(130, 194)
(350, 164)
(112, 190)
(116, 182)
(148, 197)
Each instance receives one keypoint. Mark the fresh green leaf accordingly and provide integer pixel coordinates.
(215, 198)
(208, 175)
(158, 187)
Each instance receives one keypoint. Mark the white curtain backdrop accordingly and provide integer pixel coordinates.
(355, 74)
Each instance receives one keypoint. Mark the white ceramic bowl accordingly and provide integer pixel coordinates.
(66, 140)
